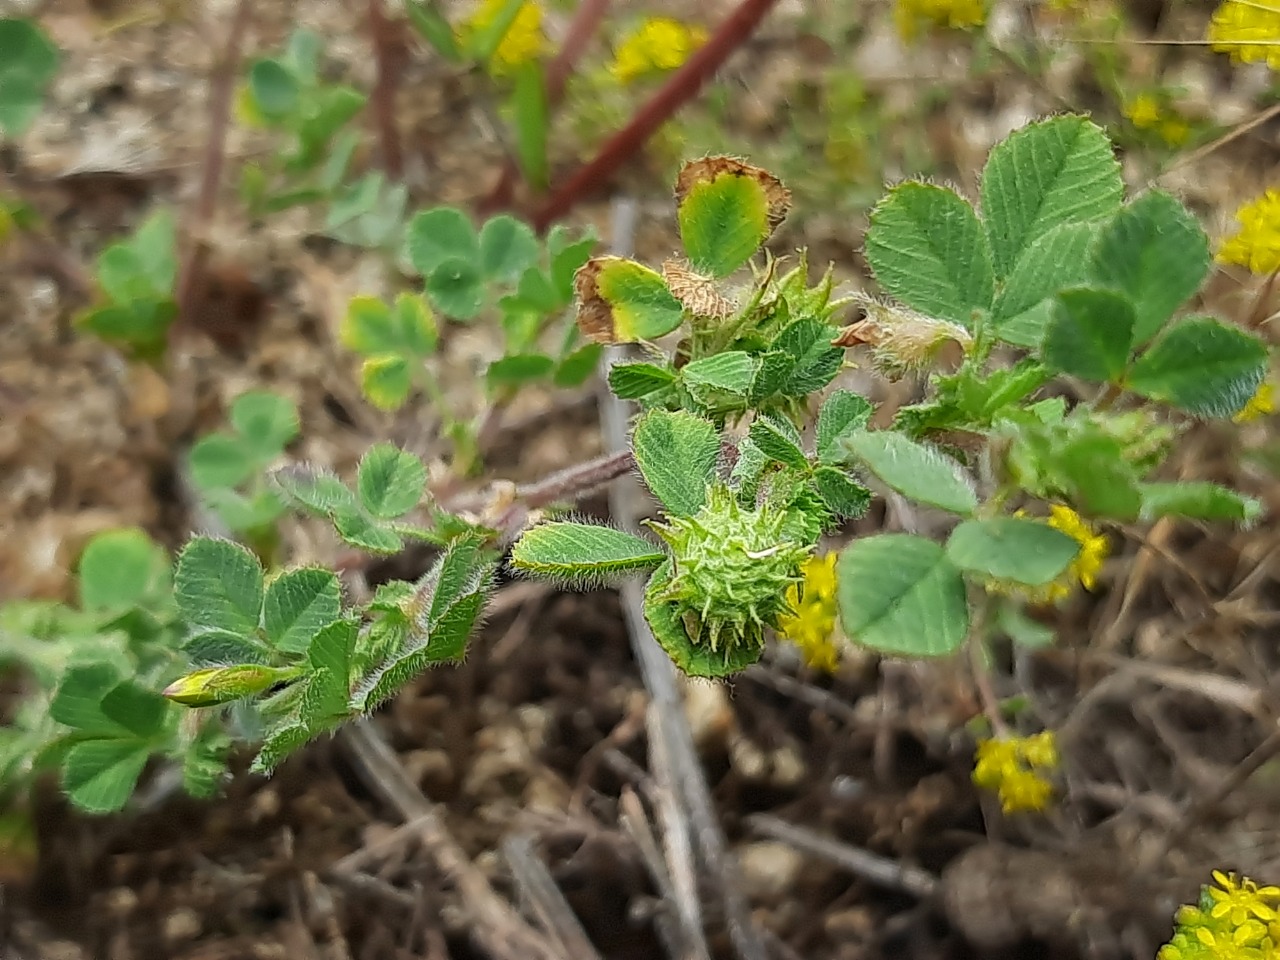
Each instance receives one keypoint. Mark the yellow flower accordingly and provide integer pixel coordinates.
(1241, 900)
(909, 16)
(1143, 111)
(812, 625)
(1261, 404)
(1248, 31)
(659, 44)
(1014, 769)
(1257, 244)
(523, 42)
(1093, 546)
(1175, 131)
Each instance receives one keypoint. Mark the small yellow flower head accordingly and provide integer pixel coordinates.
(1015, 770)
(524, 42)
(1261, 404)
(1240, 900)
(1093, 546)
(909, 16)
(812, 626)
(1235, 920)
(657, 45)
(1174, 131)
(1248, 31)
(1257, 244)
(1143, 111)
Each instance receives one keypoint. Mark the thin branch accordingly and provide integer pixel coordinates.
(682, 86)
(222, 86)
(545, 899)
(1200, 153)
(572, 483)
(383, 97)
(881, 871)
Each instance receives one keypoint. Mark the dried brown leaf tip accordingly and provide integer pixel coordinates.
(696, 293)
(595, 317)
(707, 169)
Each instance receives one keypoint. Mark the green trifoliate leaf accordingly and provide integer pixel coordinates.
(842, 413)
(1202, 366)
(519, 369)
(215, 648)
(367, 328)
(99, 775)
(78, 700)
(728, 372)
(726, 209)
(1055, 171)
(1197, 501)
(1053, 262)
(386, 381)
(582, 553)
(284, 739)
(632, 381)
(899, 594)
(266, 422)
(204, 765)
(695, 658)
(843, 495)
(1156, 253)
(331, 649)
(575, 368)
(360, 530)
(779, 441)
(136, 709)
(443, 233)
(1011, 548)
(568, 253)
(298, 603)
(927, 249)
(1099, 477)
(313, 488)
(156, 248)
(219, 585)
(507, 248)
(816, 361)
(915, 470)
(456, 288)
(621, 301)
(677, 454)
(119, 569)
(445, 606)
(1089, 334)
(275, 90)
(28, 62)
(211, 686)
(221, 461)
(774, 373)
(390, 481)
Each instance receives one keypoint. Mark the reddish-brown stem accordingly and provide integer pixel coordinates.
(221, 86)
(682, 86)
(586, 21)
(383, 99)
(571, 483)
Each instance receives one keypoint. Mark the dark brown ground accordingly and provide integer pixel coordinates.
(1161, 686)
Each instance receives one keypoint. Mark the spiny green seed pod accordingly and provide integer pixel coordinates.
(214, 685)
(733, 566)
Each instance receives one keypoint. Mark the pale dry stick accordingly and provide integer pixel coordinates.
(635, 825)
(544, 899)
(1195, 156)
(677, 838)
(659, 674)
(871, 867)
(496, 927)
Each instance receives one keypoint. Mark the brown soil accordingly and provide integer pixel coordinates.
(1160, 689)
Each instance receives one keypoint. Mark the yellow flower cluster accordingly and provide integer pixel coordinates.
(1257, 244)
(1016, 769)
(1234, 920)
(1146, 113)
(1248, 31)
(523, 42)
(910, 16)
(1083, 570)
(657, 45)
(1261, 404)
(812, 626)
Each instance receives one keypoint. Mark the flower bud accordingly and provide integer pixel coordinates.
(211, 686)
(903, 341)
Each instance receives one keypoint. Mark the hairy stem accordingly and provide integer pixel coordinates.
(683, 85)
(976, 643)
(383, 99)
(222, 85)
(571, 483)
